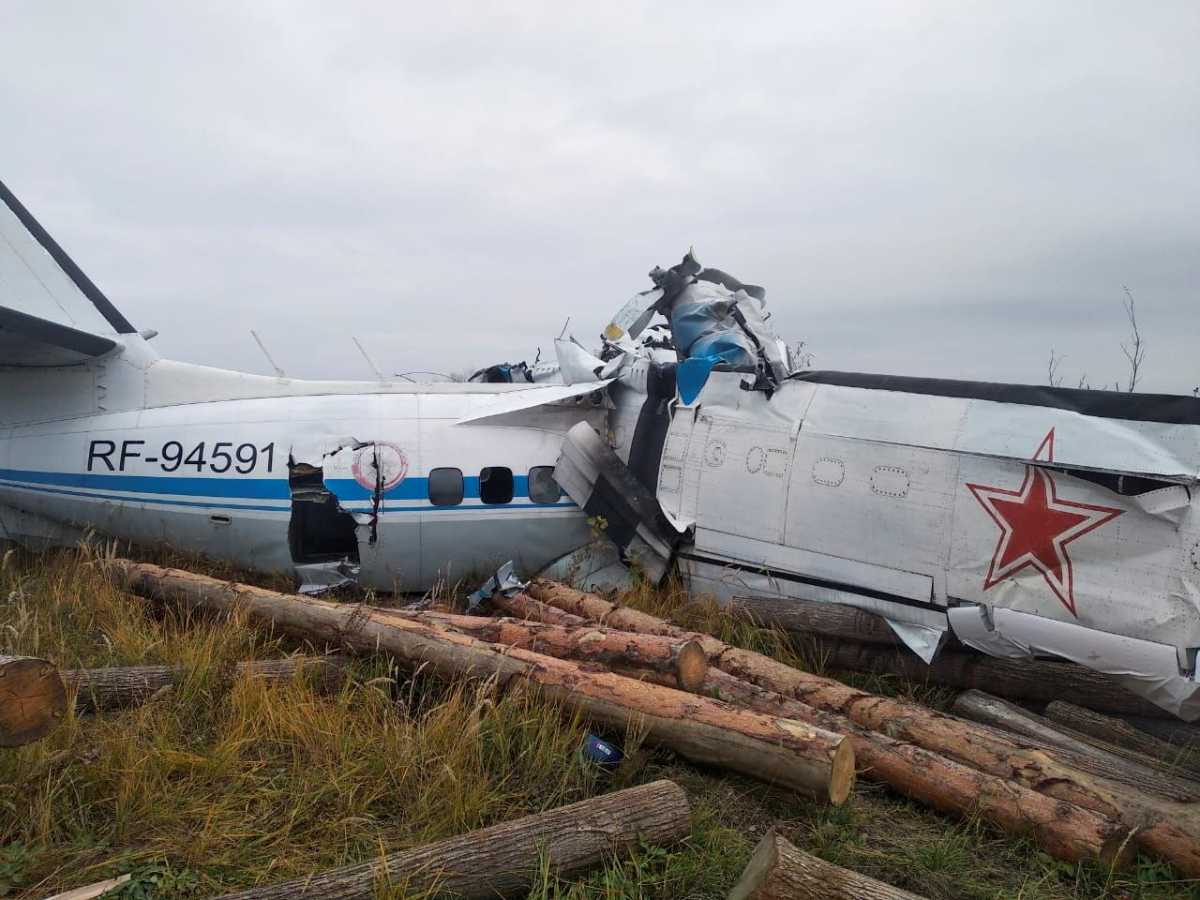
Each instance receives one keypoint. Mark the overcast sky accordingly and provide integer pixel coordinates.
(946, 189)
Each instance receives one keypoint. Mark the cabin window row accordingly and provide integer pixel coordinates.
(497, 485)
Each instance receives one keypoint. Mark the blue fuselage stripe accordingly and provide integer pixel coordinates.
(142, 488)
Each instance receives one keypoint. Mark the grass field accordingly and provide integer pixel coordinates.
(222, 783)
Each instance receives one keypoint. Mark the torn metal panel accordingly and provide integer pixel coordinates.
(595, 567)
(716, 321)
(923, 640)
(632, 318)
(505, 373)
(576, 364)
(503, 581)
(321, 577)
(1147, 668)
(596, 479)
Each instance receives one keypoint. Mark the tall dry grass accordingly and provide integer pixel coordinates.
(238, 781)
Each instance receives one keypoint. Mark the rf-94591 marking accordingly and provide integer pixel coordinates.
(171, 456)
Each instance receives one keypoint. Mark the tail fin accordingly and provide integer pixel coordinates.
(51, 313)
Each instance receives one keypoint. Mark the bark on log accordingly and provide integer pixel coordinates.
(33, 699)
(1170, 830)
(503, 860)
(815, 762)
(1038, 681)
(1107, 731)
(1075, 749)
(803, 617)
(587, 643)
(778, 871)
(97, 690)
(523, 606)
(1173, 731)
(1063, 830)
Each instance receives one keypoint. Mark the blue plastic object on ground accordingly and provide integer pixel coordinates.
(600, 752)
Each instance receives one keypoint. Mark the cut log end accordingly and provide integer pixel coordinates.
(780, 871)
(842, 778)
(762, 863)
(691, 666)
(33, 699)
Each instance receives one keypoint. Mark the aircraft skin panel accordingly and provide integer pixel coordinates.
(1019, 534)
(743, 470)
(728, 581)
(819, 568)
(1007, 430)
(1134, 573)
(889, 503)
(214, 477)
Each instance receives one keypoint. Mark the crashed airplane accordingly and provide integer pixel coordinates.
(1028, 521)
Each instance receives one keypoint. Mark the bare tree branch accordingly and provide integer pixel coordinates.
(1135, 350)
(1052, 376)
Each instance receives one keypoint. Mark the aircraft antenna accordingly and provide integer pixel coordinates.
(370, 362)
(263, 347)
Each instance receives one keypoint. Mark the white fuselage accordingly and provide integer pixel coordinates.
(233, 478)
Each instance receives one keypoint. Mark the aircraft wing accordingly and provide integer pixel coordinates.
(51, 314)
(534, 396)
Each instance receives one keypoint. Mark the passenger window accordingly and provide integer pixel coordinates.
(542, 486)
(496, 485)
(445, 487)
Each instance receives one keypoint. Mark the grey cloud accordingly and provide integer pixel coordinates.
(928, 188)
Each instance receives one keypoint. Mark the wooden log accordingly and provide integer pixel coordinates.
(1173, 731)
(684, 658)
(1170, 830)
(503, 860)
(1037, 681)
(97, 690)
(1063, 830)
(523, 606)
(805, 617)
(812, 761)
(1075, 748)
(596, 609)
(1108, 731)
(33, 699)
(779, 871)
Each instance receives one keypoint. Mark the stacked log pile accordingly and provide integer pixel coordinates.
(729, 707)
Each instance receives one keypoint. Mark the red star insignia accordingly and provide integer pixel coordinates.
(1036, 526)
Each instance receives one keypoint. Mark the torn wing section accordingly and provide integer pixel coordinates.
(596, 479)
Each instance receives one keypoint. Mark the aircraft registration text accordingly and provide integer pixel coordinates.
(109, 456)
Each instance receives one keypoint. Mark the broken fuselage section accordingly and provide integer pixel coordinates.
(1027, 521)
